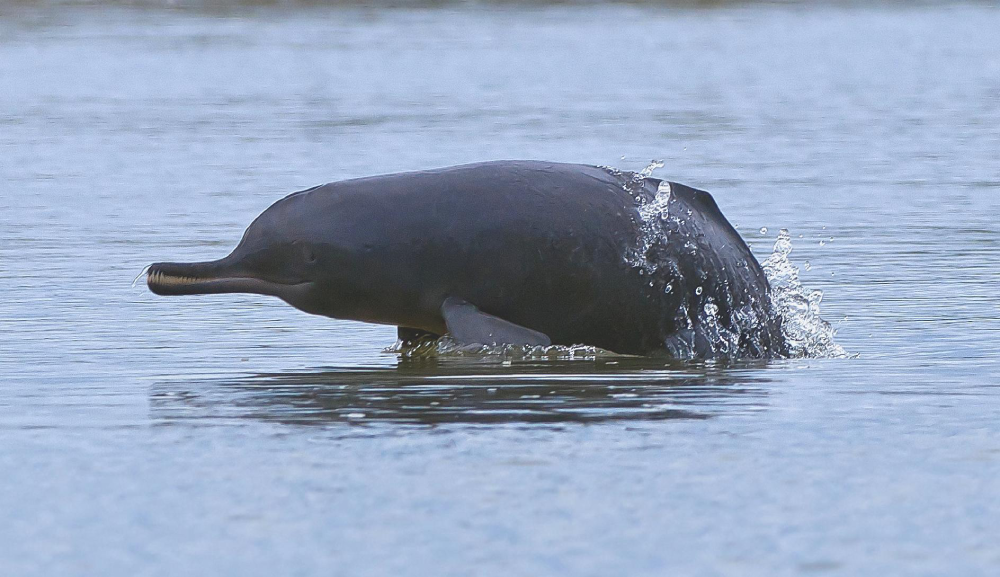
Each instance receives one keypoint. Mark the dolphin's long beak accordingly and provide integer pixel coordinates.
(211, 277)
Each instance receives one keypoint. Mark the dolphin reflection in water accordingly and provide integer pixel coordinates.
(441, 391)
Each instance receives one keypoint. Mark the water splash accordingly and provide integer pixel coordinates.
(653, 214)
(447, 347)
(634, 179)
(650, 168)
(807, 334)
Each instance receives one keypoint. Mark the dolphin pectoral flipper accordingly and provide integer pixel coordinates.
(469, 325)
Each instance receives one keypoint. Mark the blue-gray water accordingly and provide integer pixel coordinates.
(234, 435)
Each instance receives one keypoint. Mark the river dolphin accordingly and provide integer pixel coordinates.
(508, 252)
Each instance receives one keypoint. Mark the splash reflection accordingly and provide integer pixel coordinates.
(444, 391)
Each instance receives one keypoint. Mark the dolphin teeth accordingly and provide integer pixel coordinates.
(163, 279)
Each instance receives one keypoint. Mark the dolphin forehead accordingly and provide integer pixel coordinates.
(293, 218)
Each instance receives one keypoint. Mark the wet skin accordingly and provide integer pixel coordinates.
(516, 252)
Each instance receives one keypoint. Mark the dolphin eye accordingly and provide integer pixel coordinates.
(308, 254)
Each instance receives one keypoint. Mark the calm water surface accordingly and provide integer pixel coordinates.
(235, 435)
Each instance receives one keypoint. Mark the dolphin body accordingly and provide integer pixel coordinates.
(508, 252)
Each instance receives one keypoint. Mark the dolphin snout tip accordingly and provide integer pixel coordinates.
(164, 278)
(154, 278)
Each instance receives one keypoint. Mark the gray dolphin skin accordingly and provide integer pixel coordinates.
(508, 252)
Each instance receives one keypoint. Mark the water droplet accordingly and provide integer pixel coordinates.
(763, 230)
(822, 243)
(783, 245)
(698, 291)
(807, 266)
(668, 289)
(653, 165)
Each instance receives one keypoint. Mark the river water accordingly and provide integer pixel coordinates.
(235, 435)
